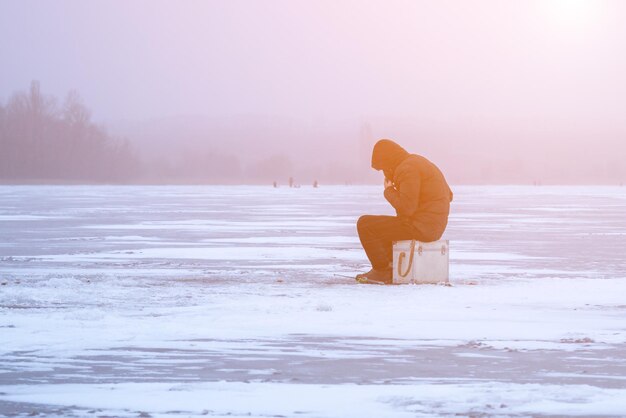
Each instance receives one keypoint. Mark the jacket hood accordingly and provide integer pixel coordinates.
(387, 155)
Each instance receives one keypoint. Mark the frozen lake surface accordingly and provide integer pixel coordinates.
(213, 301)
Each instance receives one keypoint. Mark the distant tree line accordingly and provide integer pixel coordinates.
(42, 140)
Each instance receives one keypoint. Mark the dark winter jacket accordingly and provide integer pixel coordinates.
(420, 193)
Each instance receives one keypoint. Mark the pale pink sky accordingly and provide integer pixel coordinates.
(482, 74)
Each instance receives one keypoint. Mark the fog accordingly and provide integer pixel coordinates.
(256, 91)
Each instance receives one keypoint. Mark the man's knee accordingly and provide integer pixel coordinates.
(362, 223)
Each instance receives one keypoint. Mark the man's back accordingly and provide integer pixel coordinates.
(432, 196)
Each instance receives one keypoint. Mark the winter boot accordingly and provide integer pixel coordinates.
(374, 276)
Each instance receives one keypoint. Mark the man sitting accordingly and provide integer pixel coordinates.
(419, 193)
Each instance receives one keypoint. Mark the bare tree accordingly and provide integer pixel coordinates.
(41, 141)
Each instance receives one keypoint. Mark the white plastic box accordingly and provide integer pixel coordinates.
(429, 264)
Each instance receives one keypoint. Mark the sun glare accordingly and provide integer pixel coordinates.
(571, 15)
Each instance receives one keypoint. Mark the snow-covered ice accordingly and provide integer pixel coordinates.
(215, 300)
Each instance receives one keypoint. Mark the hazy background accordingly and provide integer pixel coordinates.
(254, 91)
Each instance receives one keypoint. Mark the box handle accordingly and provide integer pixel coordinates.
(401, 257)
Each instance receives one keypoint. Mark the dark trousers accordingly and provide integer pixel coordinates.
(377, 233)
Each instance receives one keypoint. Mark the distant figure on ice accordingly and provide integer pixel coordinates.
(419, 193)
